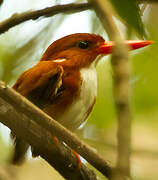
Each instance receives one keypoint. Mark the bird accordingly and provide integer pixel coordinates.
(64, 82)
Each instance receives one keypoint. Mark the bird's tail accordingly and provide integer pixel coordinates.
(20, 150)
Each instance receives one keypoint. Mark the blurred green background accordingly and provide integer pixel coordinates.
(22, 46)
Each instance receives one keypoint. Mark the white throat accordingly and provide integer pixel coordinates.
(89, 82)
(81, 107)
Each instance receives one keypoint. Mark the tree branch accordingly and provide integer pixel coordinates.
(16, 19)
(59, 156)
(53, 127)
(121, 87)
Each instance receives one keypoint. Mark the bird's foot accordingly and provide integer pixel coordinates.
(78, 158)
(56, 141)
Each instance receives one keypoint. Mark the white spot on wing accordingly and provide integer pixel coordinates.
(59, 60)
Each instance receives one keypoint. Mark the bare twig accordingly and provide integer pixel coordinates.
(16, 19)
(142, 9)
(31, 111)
(121, 73)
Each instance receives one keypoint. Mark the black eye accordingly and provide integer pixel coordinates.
(83, 44)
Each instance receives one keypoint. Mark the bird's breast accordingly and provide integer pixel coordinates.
(82, 105)
(88, 90)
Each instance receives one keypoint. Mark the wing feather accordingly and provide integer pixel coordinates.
(41, 83)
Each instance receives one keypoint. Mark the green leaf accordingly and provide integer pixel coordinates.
(129, 11)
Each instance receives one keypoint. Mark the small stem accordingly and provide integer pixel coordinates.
(16, 19)
(121, 88)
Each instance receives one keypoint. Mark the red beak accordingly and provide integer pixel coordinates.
(107, 47)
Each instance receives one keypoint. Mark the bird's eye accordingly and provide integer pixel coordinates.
(83, 44)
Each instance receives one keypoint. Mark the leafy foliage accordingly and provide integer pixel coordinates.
(129, 11)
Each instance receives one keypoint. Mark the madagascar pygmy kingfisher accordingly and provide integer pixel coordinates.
(64, 82)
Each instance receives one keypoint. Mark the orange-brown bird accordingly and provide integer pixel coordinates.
(64, 82)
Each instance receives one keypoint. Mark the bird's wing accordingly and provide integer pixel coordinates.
(41, 83)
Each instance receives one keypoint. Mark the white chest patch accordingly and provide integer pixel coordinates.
(80, 108)
(89, 86)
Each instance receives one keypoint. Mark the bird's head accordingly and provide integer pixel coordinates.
(82, 49)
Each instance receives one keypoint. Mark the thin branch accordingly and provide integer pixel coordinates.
(142, 9)
(16, 19)
(38, 116)
(121, 74)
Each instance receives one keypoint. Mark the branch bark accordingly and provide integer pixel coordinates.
(41, 119)
(16, 19)
(121, 88)
(59, 156)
